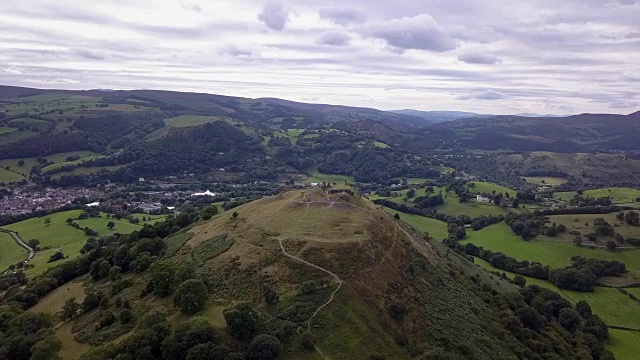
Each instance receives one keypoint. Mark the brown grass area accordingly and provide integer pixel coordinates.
(53, 301)
(71, 349)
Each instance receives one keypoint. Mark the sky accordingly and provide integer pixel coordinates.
(498, 57)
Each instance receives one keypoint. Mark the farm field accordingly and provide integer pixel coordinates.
(192, 120)
(577, 223)
(380, 144)
(292, 134)
(59, 235)
(6, 130)
(499, 237)
(46, 102)
(612, 306)
(13, 136)
(7, 176)
(488, 188)
(317, 177)
(29, 163)
(10, 252)
(86, 170)
(58, 165)
(31, 123)
(547, 180)
(435, 228)
(618, 195)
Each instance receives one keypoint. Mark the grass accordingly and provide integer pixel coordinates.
(488, 188)
(380, 144)
(190, 120)
(624, 344)
(317, 177)
(56, 166)
(6, 130)
(618, 195)
(435, 228)
(577, 223)
(499, 237)
(211, 248)
(547, 180)
(53, 301)
(10, 252)
(87, 170)
(292, 134)
(611, 305)
(29, 163)
(28, 122)
(59, 235)
(7, 176)
(14, 136)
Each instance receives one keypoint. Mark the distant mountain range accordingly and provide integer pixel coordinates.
(443, 116)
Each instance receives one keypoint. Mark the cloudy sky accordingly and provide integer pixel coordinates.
(543, 56)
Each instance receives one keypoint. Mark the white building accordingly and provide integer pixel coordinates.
(482, 199)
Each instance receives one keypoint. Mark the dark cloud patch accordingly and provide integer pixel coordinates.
(91, 54)
(420, 32)
(334, 38)
(234, 50)
(484, 95)
(343, 16)
(274, 16)
(478, 58)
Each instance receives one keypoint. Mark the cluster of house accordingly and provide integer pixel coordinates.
(28, 199)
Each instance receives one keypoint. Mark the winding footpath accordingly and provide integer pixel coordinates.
(21, 243)
(336, 280)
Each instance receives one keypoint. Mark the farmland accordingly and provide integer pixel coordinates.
(435, 228)
(29, 163)
(59, 235)
(317, 177)
(6, 130)
(56, 166)
(87, 170)
(7, 176)
(499, 237)
(579, 223)
(191, 120)
(618, 195)
(10, 252)
(545, 180)
(480, 187)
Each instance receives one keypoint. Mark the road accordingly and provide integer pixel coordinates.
(20, 242)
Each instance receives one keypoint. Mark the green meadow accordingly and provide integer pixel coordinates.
(317, 177)
(435, 228)
(10, 252)
(59, 235)
(547, 180)
(481, 187)
(7, 176)
(499, 237)
(618, 195)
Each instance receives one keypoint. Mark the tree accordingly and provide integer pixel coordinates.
(33, 243)
(208, 351)
(242, 320)
(398, 311)
(58, 255)
(69, 309)
(47, 221)
(46, 349)
(583, 308)
(515, 204)
(632, 218)
(264, 347)
(187, 335)
(185, 271)
(611, 245)
(191, 296)
(114, 273)
(111, 225)
(125, 316)
(69, 220)
(20, 162)
(162, 277)
(270, 295)
(521, 281)
(570, 319)
(396, 216)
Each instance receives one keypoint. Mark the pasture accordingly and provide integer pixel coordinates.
(6, 130)
(481, 187)
(193, 120)
(435, 228)
(7, 176)
(613, 307)
(59, 235)
(31, 123)
(87, 170)
(499, 237)
(317, 177)
(380, 144)
(13, 136)
(547, 180)
(10, 252)
(29, 163)
(618, 195)
(578, 223)
(53, 167)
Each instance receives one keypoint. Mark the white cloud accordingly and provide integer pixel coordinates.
(420, 32)
(343, 16)
(334, 38)
(274, 15)
(484, 95)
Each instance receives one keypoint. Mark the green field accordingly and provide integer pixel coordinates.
(317, 177)
(6, 130)
(292, 134)
(617, 195)
(547, 180)
(435, 228)
(577, 223)
(488, 188)
(380, 144)
(29, 163)
(7, 176)
(191, 120)
(499, 237)
(625, 345)
(86, 170)
(40, 104)
(59, 235)
(31, 123)
(10, 252)
(14, 136)
(58, 165)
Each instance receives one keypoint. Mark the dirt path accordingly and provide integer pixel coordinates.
(336, 279)
(21, 243)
